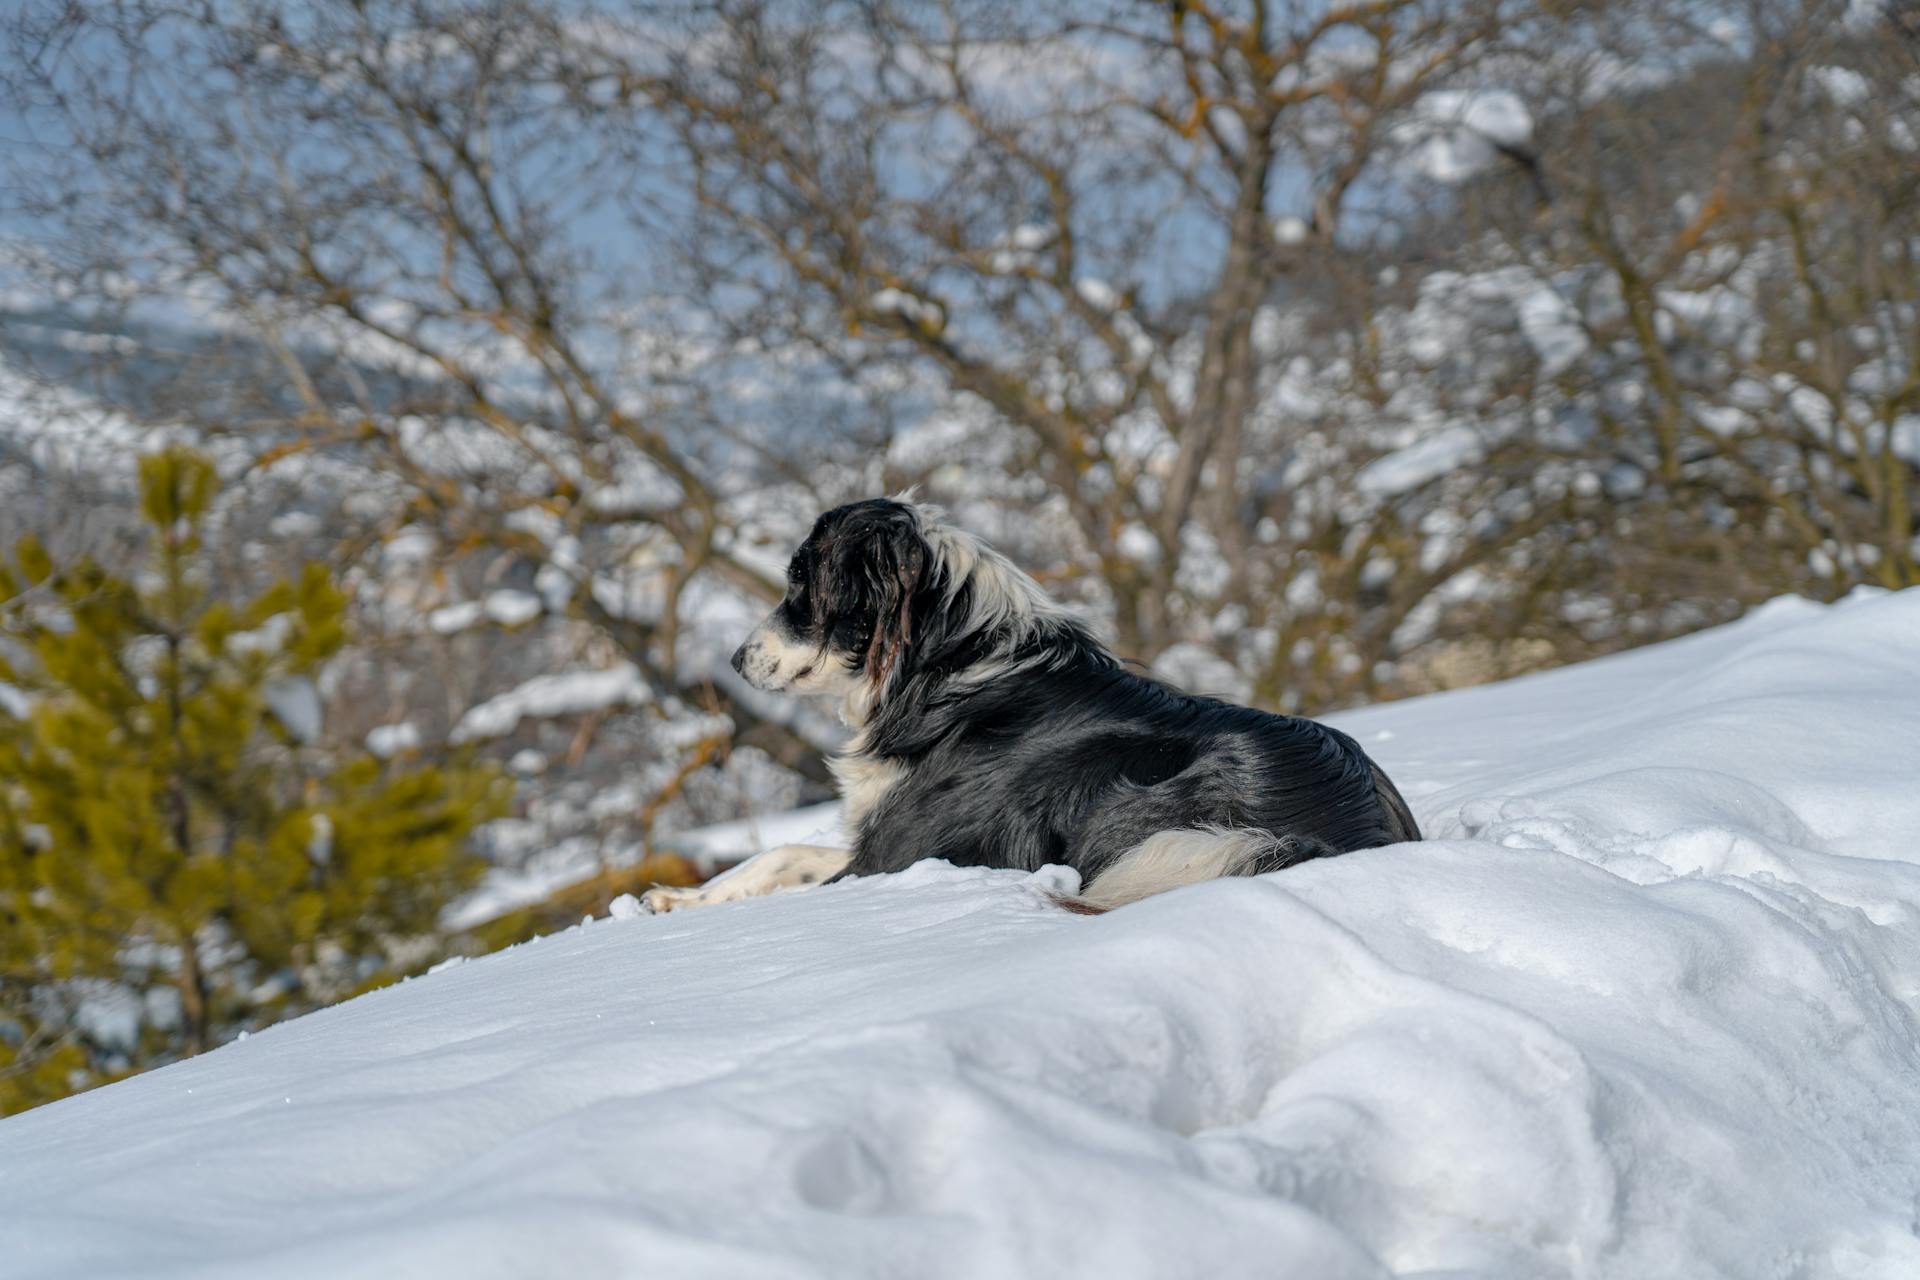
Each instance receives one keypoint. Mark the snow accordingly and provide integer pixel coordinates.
(1845, 86)
(270, 637)
(1137, 543)
(1546, 318)
(731, 841)
(512, 608)
(1552, 326)
(1457, 133)
(1642, 1006)
(507, 888)
(1198, 669)
(1447, 449)
(1097, 294)
(451, 618)
(392, 739)
(1020, 249)
(295, 702)
(507, 607)
(568, 693)
(899, 302)
(296, 524)
(547, 871)
(1290, 230)
(527, 762)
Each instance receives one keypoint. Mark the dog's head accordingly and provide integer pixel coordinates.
(883, 592)
(849, 609)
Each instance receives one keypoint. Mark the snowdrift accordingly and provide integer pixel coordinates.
(1645, 1006)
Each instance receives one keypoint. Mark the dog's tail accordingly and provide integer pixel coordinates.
(1188, 855)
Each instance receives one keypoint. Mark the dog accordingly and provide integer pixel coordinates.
(992, 729)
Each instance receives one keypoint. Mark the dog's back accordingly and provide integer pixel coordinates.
(1309, 786)
(1082, 763)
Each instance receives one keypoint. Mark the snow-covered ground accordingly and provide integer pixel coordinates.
(1644, 1006)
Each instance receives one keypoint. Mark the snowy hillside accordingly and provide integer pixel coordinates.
(1645, 1006)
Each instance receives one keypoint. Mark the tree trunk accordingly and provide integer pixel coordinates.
(192, 984)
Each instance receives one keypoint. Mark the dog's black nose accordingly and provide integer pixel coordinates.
(740, 659)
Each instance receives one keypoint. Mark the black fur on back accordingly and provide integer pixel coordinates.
(1024, 742)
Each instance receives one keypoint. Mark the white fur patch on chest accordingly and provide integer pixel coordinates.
(864, 783)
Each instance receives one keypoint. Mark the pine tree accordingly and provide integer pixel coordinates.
(179, 861)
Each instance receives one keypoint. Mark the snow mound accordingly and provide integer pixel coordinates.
(1644, 1007)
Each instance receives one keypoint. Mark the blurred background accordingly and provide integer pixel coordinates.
(405, 408)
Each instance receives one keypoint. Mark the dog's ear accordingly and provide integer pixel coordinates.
(896, 565)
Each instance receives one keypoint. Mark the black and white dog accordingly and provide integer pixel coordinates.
(993, 730)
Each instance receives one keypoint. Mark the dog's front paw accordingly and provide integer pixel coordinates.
(660, 901)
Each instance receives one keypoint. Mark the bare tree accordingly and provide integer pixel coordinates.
(388, 210)
(1075, 218)
(1317, 349)
(1745, 289)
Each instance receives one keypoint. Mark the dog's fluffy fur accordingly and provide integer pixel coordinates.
(993, 730)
